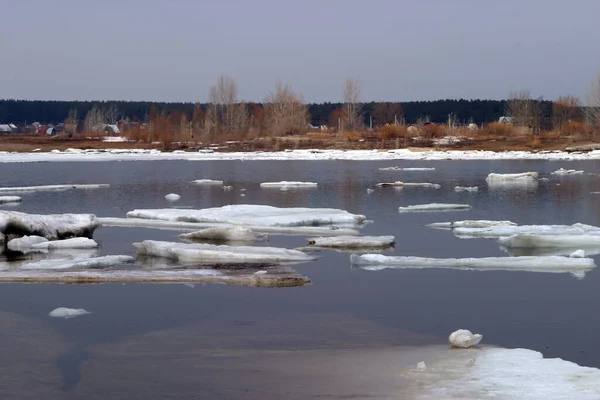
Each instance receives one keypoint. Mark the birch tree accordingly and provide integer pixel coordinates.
(352, 105)
(232, 116)
(592, 111)
(285, 111)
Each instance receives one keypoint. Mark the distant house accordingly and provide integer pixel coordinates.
(112, 130)
(5, 128)
(505, 120)
(51, 131)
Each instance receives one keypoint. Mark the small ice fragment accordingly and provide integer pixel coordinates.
(10, 199)
(577, 254)
(563, 172)
(421, 366)
(63, 312)
(227, 188)
(23, 244)
(369, 190)
(261, 272)
(434, 207)
(242, 195)
(409, 184)
(466, 189)
(288, 184)
(464, 338)
(172, 197)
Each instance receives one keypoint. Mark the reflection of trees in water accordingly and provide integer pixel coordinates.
(70, 365)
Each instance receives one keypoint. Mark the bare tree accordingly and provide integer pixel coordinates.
(285, 111)
(71, 122)
(111, 114)
(94, 119)
(592, 111)
(352, 105)
(231, 115)
(524, 111)
(565, 109)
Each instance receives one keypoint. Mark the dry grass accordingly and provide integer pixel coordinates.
(498, 129)
(392, 132)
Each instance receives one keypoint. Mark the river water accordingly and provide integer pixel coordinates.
(346, 334)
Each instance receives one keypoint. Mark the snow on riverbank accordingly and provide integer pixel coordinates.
(400, 154)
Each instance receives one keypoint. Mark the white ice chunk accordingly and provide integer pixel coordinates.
(275, 230)
(353, 241)
(482, 223)
(54, 226)
(23, 244)
(551, 230)
(207, 182)
(10, 199)
(554, 241)
(577, 254)
(406, 169)
(563, 172)
(421, 366)
(524, 176)
(172, 197)
(85, 263)
(49, 187)
(434, 207)
(208, 253)
(73, 243)
(464, 338)
(256, 215)
(466, 189)
(375, 262)
(410, 184)
(369, 190)
(503, 374)
(63, 312)
(288, 184)
(234, 233)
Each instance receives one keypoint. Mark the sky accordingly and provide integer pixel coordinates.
(400, 50)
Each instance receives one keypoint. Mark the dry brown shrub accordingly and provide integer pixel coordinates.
(498, 129)
(433, 131)
(353, 136)
(392, 132)
(535, 142)
(575, 128)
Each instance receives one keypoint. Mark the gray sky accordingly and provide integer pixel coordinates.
(402, 50)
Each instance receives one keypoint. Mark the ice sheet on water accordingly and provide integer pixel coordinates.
(273, 230)
(565, 172)
(576, 266)
(207, 182)
(52, 227)
(466, 189)
(503, 374)
(50, 187)
(524, 176)
(407, 169)
(410, 184)
(10, 199)
(172, 197)
(208, 253)
(234, 233)
(83, 263)
(64, 312)
(288, 184)
(23, 244)
(505, 231)
(482, 223)
(549, 241)
(254, 215)
(73, 243)
(352, 241)
(434, 207)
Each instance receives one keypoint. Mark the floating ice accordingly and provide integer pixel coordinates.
(84, 263)
(563, 172)
(520, 177)
(275, 230)
(288, 184)
(207, 182)
(577, 254)
(63, 312)
(234, 233)
(208, 253)
(576, 266)
(52, 227)
(434, 207)
(495, 373)
(353, 241)
(552, 230)
(464, 338)
(255, 215)
(466, 189)
(23, 244)
(482, 223)
(409, 184)
(552, 241)
(369, 190)
(10, 199)
(406, 169)
(49, 187)
(73, 243)
(421, 366)
(172, 197)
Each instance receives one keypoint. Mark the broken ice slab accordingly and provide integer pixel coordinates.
(289, 184)
(225, 234)
(350, 242)
(409, 184)
(51, 227)
(51, 188)
(505, 231)
(550, 241)
(481, 223)
(432, 207)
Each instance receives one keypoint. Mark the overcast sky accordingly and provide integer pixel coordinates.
(401, 50)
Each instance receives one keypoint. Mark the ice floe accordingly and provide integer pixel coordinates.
(578, 254)
(52, 227)
(564, 172)
(10, 199)
(255, 215)
(49, 187)
(207, 182)
(274, 230)
(575, 266)
(549, 241)
(494, 373)
(434, 207)
(78, 263)
(23, 244)
(73, 243)
(208, 253)
(407, 169)
(353, 241)
(234, 233)
(482, 223)
(172, 197)
(466, 189)
(288, 184)
(507, 178)
(63, 312)
(463, 338)
(494, 232)
(410, 184)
